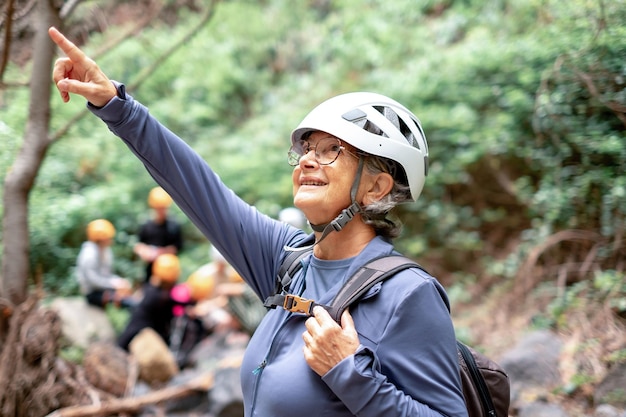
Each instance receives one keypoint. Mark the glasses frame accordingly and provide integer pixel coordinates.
(293, 157)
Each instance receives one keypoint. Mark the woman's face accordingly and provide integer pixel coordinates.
(322, 191)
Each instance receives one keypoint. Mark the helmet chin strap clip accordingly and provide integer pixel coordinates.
(339, 222)
(343, 218)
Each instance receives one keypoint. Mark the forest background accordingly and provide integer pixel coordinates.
(523, 104)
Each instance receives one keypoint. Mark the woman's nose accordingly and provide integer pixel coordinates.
(308, 159)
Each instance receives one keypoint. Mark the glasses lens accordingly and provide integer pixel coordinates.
(327, 150)
(296, 151)
(293, 157)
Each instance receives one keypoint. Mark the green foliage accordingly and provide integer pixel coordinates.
(520, 102)
(118, 317)
(618, 356)
(575, 383)
(612, 287)
(608, 288)
(72, 354)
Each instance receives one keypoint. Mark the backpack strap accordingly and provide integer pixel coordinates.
(356, 286)
(365, 278)
(290, 266)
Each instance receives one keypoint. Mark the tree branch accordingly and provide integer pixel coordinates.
(143, 75)
(616, 107)
(68, 7)
(203, 382)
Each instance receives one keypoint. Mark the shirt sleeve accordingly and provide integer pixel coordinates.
(249, 240)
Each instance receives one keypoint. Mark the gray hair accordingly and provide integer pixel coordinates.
(375, 214)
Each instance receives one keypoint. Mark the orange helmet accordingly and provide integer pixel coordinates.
(159, 198)
(167, 268)
(201, 284)
(100, 229)
(234, 277)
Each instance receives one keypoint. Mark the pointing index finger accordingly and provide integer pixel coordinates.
(71, 50)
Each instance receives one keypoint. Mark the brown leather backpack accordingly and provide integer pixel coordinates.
(486, 386)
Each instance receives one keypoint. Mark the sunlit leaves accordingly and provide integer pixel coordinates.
(518, 138)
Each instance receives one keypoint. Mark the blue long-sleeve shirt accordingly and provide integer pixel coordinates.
(407, 362)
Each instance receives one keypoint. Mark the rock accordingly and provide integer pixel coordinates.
(540, 409)
(612, 389)
(107, 367)
(533, 367)
(82, 323)
(226, 397)
(221, 354)
(606, 410)
(192, 404)
(535, 359)
(156, 362)
(207, 354)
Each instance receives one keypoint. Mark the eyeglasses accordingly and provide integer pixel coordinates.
(326, 151)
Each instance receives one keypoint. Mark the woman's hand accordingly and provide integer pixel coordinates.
(79, 74)
(326, 343)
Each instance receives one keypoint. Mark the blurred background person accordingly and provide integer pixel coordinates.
(94, 268)
(231, 305)
(188, 329)
(293, 216)
(161, 234)
(156, 308)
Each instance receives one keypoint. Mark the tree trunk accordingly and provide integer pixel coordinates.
(21, 177)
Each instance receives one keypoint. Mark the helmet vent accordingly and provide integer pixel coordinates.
(397, 121)
(372, 128)
(408, 135)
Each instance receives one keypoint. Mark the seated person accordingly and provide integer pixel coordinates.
(94, 268)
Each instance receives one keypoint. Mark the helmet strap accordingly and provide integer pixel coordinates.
(343, 218)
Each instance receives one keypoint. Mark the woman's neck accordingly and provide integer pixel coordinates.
(348, 242)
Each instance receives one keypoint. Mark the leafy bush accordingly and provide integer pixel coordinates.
(522, 103)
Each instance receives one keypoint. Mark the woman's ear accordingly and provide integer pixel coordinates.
(379, 186)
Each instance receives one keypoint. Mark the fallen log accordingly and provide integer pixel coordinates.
(203, 382)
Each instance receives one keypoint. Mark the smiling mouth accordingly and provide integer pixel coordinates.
(313, 183)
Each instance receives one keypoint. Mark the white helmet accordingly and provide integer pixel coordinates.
(377, 125)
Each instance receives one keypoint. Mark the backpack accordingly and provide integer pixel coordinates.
(485, 384)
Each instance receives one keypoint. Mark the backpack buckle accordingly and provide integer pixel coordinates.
(297, 304)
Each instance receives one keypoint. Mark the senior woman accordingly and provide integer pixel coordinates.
(355, 157)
